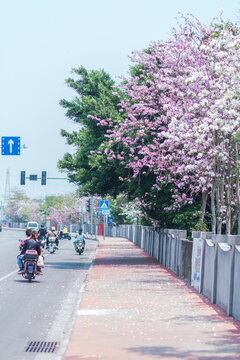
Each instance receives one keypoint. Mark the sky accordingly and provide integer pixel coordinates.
(42, 40)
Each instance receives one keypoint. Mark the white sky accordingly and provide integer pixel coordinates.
(42, 40)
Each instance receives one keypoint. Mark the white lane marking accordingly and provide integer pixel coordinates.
(15, 271)
(8, 275)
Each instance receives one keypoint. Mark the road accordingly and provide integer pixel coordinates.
(43, 310)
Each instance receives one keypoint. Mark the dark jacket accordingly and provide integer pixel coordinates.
(42, 232)
(31, 244)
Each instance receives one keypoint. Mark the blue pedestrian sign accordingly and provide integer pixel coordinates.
(104, 208)
(104, 205)
(10, 145)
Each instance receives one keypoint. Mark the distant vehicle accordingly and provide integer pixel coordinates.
(64, 236)
(0, 227)
(33, 225)
(51, 245)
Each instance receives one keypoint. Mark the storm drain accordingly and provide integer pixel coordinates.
(41, 346)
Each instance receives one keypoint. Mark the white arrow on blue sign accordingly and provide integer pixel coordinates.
(10, 145)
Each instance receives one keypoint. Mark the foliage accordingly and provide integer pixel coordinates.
(124, 211)
(183, 116)
(92, 172)
(61, 209)
(168, 136)
(20, 208)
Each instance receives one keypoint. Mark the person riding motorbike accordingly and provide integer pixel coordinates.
(35, 235)
(42, 232)
(28, 234)
(80, 237)
(63, 232)
(30, 244)
(52, 233)
(20, 257)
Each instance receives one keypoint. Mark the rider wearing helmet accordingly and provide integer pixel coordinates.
(52, 233)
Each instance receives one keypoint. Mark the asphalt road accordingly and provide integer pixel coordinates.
(43, 310)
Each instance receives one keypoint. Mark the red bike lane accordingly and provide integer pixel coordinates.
(134, 308)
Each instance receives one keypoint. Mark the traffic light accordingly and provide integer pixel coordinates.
(44, 178)
(33, 177)
(88, 205)
(23, 178)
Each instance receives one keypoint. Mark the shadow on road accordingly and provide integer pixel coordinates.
(26, 281)
(63, 265)
(125, 261)
(168, 352)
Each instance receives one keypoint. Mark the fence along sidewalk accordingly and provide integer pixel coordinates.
(210, 263)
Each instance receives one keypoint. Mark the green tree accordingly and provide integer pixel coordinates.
(57, 202)
(94, 173)
(91, 168)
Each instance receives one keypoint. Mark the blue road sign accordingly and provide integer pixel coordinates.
(109, 220)
(10, 145)
(104, 204)
(104, 212)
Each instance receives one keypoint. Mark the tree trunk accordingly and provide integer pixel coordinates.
(238, 223)
(218, 204)
(228, 215)
(237, 189)
(204, 204)
(213, 210)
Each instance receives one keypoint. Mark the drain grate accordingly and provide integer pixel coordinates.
(41, 346)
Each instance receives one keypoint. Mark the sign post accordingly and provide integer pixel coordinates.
(91, 208)
(104, 210)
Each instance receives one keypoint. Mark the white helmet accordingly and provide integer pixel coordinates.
(53, 228)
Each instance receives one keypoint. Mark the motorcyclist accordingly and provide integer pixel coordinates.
(30, 244)
(20, 257)
(42, 232)
(35, 235)
(80, 237)
(28, 234)
(52, 233)
(63, 232)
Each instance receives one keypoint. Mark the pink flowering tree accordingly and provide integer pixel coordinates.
(182, 117)
(21, 208)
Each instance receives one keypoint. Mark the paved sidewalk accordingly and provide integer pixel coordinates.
(133, 308)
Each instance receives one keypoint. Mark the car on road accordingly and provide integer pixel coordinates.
(0, 227)
(33, 225)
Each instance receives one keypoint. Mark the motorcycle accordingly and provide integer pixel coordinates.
(80, 246)
(52, 245)
(64, 236)
(30, 265)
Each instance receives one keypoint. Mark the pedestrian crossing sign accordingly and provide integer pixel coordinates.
(104, 205)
